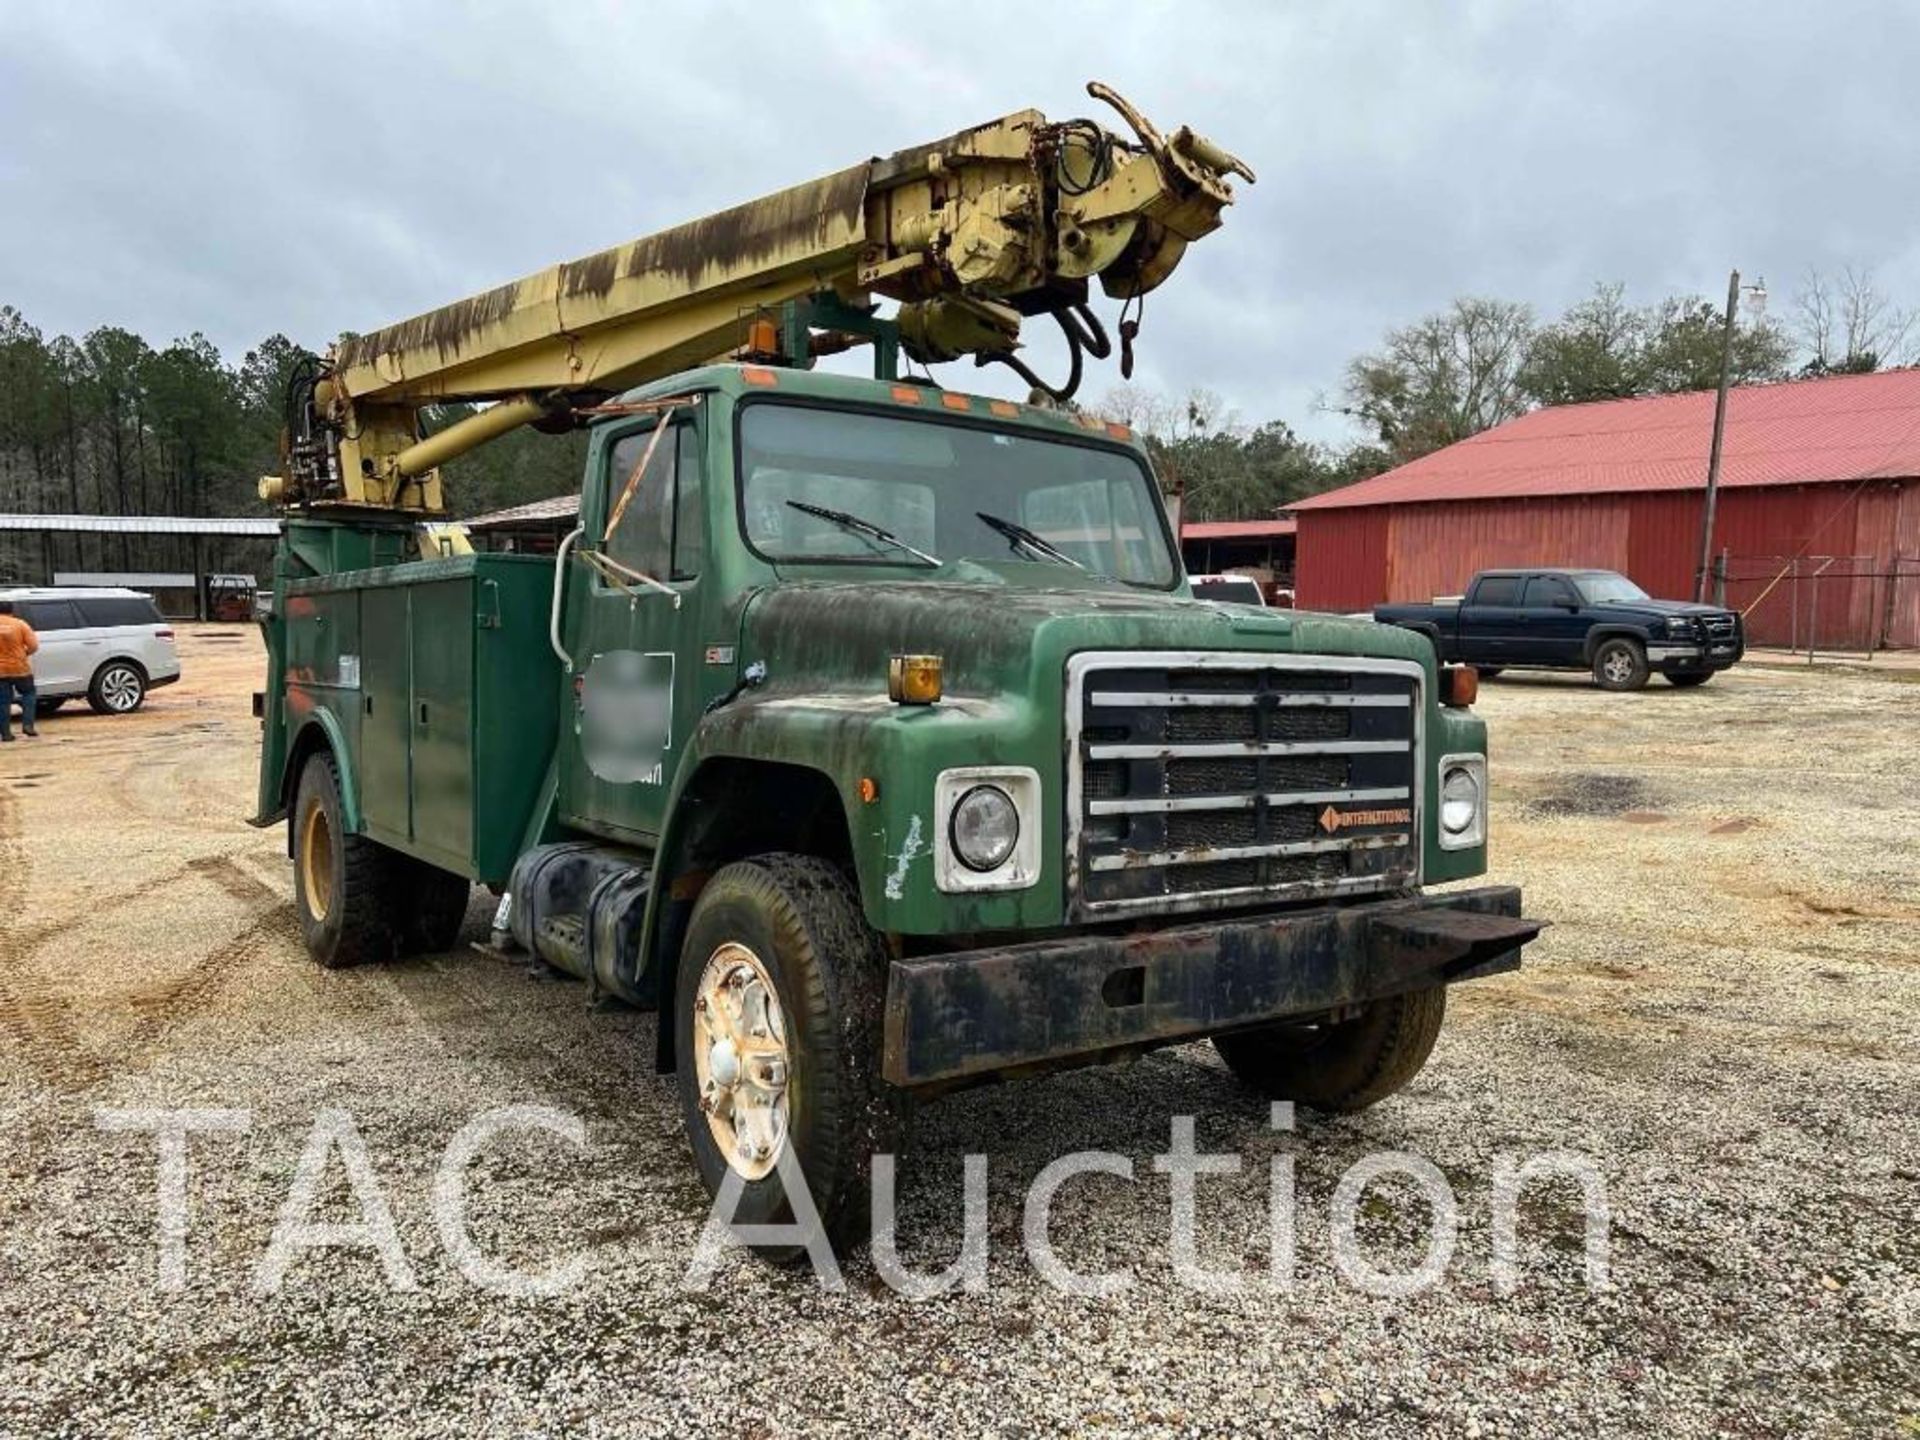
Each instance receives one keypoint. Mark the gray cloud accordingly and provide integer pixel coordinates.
(242, 169)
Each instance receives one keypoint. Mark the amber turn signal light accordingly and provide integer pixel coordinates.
(1459, 685)
(913, 679)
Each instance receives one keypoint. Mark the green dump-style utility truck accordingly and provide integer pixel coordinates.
(866, 730)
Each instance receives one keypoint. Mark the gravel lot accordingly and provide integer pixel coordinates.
(1722, 1017)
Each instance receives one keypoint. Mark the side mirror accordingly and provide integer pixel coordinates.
(1567, 604)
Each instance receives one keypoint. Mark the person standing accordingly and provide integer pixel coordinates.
(17, 644)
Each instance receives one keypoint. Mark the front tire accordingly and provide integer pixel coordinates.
(342, 883)
(1340, 1067)
(1620, 664)
(119, 688)
(1689, 679)
(777, 1027)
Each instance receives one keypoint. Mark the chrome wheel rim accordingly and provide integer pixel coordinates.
(740, 1060)
(120, 688)
(1619, 666)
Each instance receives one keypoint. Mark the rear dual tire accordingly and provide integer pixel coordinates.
(359, 902)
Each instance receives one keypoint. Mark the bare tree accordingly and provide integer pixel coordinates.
(1167, 418)
(1847, 323)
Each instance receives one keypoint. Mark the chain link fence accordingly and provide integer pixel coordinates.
(1823, 604)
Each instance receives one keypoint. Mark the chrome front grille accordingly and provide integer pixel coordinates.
(1722, 628)
(1199, 780)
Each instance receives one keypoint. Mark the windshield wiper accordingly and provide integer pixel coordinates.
(864, 527)
(1019, 537)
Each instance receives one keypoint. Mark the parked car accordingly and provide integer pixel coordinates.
(1235, 589)
(111, 646)
(1594, 620)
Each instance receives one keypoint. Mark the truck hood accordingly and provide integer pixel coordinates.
(1660, 607)
(995, 636)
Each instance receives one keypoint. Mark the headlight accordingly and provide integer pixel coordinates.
(1463, 801)
(986, 834)
(1679, 625)
(985, 828)
(1459, 801)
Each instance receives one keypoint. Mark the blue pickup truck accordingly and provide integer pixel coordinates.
(1576, 620)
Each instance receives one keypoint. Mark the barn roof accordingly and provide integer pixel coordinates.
(1845, 427)
(1238, 529)
(534, 512)
(143, 524)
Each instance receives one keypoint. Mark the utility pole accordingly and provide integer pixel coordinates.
(1719, 432)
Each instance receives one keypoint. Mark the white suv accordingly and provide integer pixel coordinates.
(111, 646)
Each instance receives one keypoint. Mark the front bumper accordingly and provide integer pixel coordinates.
(1083, 998)
(1689, 656)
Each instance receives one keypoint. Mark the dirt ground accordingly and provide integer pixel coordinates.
(1722, 1018)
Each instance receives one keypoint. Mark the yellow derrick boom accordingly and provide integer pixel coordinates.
(969, 233)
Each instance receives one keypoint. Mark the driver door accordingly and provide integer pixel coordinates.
(635, 687)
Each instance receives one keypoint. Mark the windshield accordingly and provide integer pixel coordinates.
(951, 491)
(1603, 586)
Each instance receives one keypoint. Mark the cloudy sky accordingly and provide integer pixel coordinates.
(246, 168)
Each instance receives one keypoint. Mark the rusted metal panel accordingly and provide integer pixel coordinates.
(1340, 560)
(1436, 549)
(1904, 605)
(1663, 541)
(1080, 998)
(1354, 558)
(1844, 540)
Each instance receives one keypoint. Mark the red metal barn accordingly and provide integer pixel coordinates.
(1819, 510)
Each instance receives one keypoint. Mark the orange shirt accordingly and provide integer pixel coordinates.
(17, 642)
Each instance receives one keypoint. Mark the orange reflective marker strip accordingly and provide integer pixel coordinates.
(907, 394)
(759, 375)
(1003, 407)
(955, 402)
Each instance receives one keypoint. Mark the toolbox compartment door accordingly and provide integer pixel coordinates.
(385, 693)
(440, 720)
